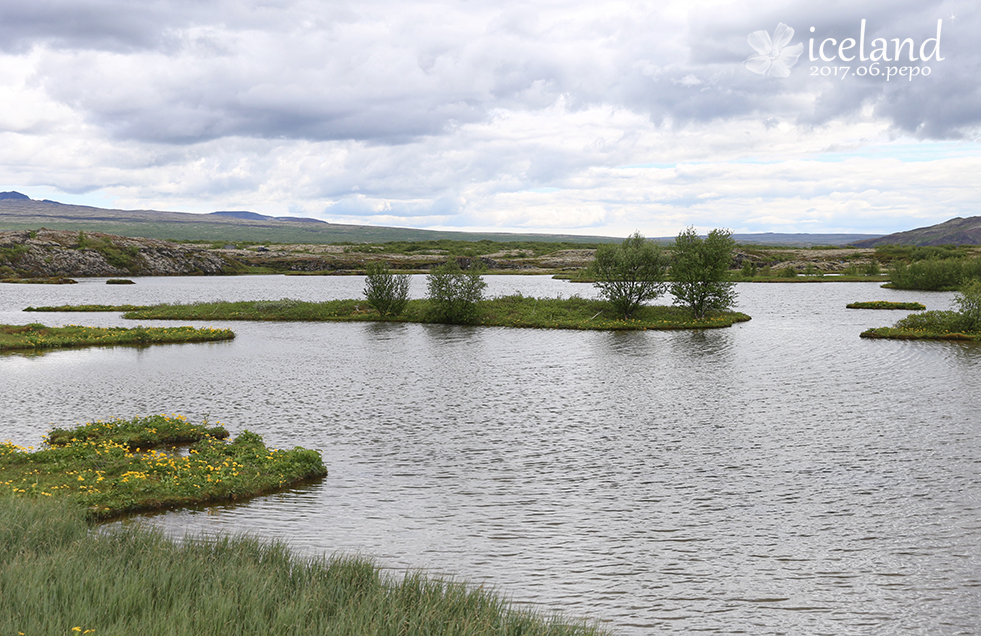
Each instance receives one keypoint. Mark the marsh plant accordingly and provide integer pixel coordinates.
(385, 290)
(629, 274)
(454, 292)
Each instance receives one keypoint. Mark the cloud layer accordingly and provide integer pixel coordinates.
(553, 116)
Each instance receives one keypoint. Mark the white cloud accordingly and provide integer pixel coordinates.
(545, 116)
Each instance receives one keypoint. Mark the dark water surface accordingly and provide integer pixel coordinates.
(779, 477)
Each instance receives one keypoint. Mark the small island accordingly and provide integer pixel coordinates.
(119, 466)
(505, 311)
(964, 323)
(37, 337)
(886, 304)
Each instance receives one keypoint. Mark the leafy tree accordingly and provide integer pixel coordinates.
(386, 291)
(454, 293)
(969, 302)
(630, 273)
(700, 271)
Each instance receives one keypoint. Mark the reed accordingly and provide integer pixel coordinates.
(60, 576)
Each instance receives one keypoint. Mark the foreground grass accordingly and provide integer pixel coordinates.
(58, 576)
(95, 466)
(886, 304)
(36, 336)
(503, 311)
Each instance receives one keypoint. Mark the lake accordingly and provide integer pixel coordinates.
(782, 476)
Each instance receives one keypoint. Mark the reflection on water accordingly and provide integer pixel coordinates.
(781, 476)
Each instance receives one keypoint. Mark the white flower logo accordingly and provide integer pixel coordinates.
(773, 59)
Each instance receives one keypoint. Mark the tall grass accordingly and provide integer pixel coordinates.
(59, 577)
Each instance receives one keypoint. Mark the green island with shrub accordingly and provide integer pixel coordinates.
(962, 323)
(37, 337)
(886, 304)
(505, 311)
(62, 574)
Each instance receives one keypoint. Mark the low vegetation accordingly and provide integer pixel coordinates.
(97, 467)
(85, 308)
(934, 274)
(961, 323)
(140, 432)
(886, 304)
(35, 336)
(503, 311)
(58, 576)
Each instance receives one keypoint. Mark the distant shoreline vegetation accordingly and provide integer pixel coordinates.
(504, 311)
(37, 337)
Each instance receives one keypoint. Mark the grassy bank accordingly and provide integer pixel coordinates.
(95, 466)
(57, 576)
(886, 304)
(504, 311)
(36, 336)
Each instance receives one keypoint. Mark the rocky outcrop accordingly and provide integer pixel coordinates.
(46, 253)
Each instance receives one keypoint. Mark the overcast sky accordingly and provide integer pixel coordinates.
(542, 116)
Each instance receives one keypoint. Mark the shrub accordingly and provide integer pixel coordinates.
(630, 273)
(935, 274)
(387, 292)
(969, 302)
(700, 271)
(454, 293)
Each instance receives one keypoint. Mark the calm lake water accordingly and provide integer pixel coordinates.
(782, 476)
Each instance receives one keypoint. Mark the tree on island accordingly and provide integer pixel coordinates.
(630, 273)
(454, 293)
(386, 291)
(700, 272)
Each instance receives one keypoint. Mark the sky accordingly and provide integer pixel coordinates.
(571, 117)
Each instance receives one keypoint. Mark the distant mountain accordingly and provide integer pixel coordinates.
(801, 240)
(956, 231)
(255, 216)
(13, 196)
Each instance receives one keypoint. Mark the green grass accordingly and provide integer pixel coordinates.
(95, 466)
(50, 280)
(929, 325)
(37, 337)
(58, 576)
(140, 432)
(504, 311)
(886, 304)
(85, 308)
(894, 333)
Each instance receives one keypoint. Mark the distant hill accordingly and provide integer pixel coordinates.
(956, 231)
(19, 212)
(800, 240)
(232, 226)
